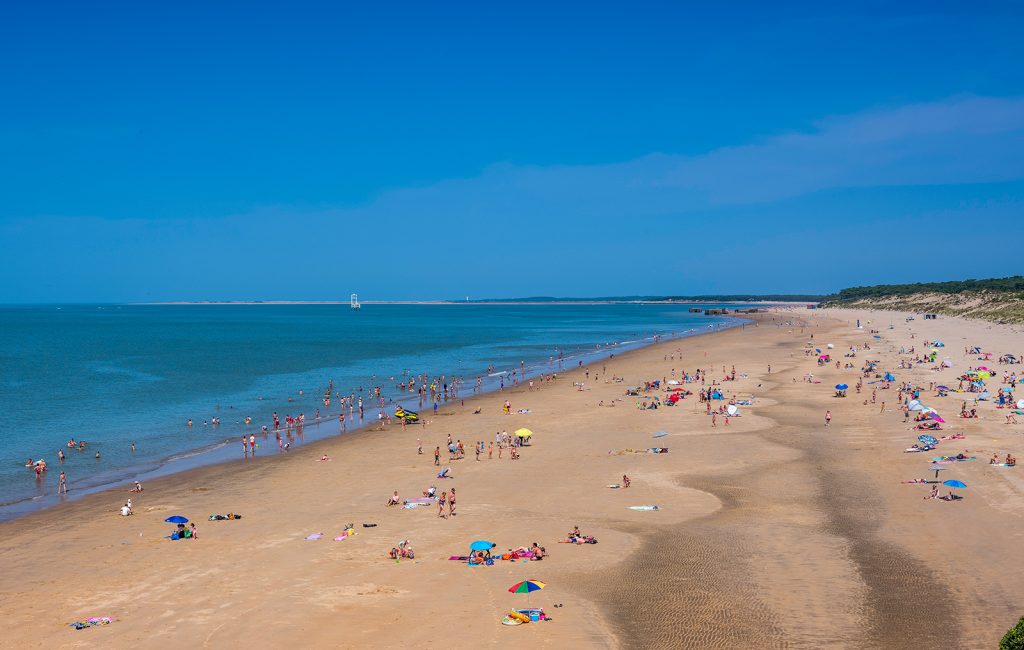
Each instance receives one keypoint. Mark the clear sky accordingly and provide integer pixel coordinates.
(215, 150)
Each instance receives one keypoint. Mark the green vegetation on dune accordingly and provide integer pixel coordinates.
(1014, 284)
(996, 299)
(1014, 637)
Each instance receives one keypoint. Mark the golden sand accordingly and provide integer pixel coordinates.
(772, 531)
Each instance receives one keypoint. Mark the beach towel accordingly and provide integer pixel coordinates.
(314, 536)
(644, 508)
(92, 621)
(614, 486)
(409, 506)
(459, 558)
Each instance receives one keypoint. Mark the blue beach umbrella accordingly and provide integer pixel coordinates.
(953, 483)
(176, 519)
(841, 386)
(481, 545)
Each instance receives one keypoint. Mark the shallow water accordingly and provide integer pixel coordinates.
(113, 375)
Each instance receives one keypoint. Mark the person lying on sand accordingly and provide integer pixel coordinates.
(323, 458)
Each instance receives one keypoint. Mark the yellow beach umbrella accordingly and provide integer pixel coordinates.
(524, 433)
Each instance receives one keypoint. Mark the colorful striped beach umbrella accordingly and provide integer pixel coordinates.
(527, 587)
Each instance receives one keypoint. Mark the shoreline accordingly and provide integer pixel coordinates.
(217, 452)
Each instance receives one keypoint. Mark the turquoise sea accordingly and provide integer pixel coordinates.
(116, 375)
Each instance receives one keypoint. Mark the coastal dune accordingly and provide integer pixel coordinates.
(773, 530)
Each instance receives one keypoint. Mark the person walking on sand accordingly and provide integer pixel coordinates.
(437, 456)
(419, 444)
(828, 418)
(625, 481)
(451, 503)
(62, 485)
(440, 504)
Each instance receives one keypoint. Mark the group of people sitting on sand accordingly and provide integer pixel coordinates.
(576, 537)
(403, 550)
(534, 553)
(934, 494)
(968, 413)
(184, 533)
(1009, 462)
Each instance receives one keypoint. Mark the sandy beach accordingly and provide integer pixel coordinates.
(772, 529)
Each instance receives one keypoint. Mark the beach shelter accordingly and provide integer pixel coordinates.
(939, 344)
(524, 433)
(915, 405)
(889, 377)
(1020, 403)
(731, 409)
(830, 346)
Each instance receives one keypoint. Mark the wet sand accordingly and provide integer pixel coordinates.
(774, 531)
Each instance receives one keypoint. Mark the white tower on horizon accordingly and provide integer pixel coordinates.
(354, 302)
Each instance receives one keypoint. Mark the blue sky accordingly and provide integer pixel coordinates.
(202, 151)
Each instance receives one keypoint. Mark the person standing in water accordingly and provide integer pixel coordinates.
(62, 486)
